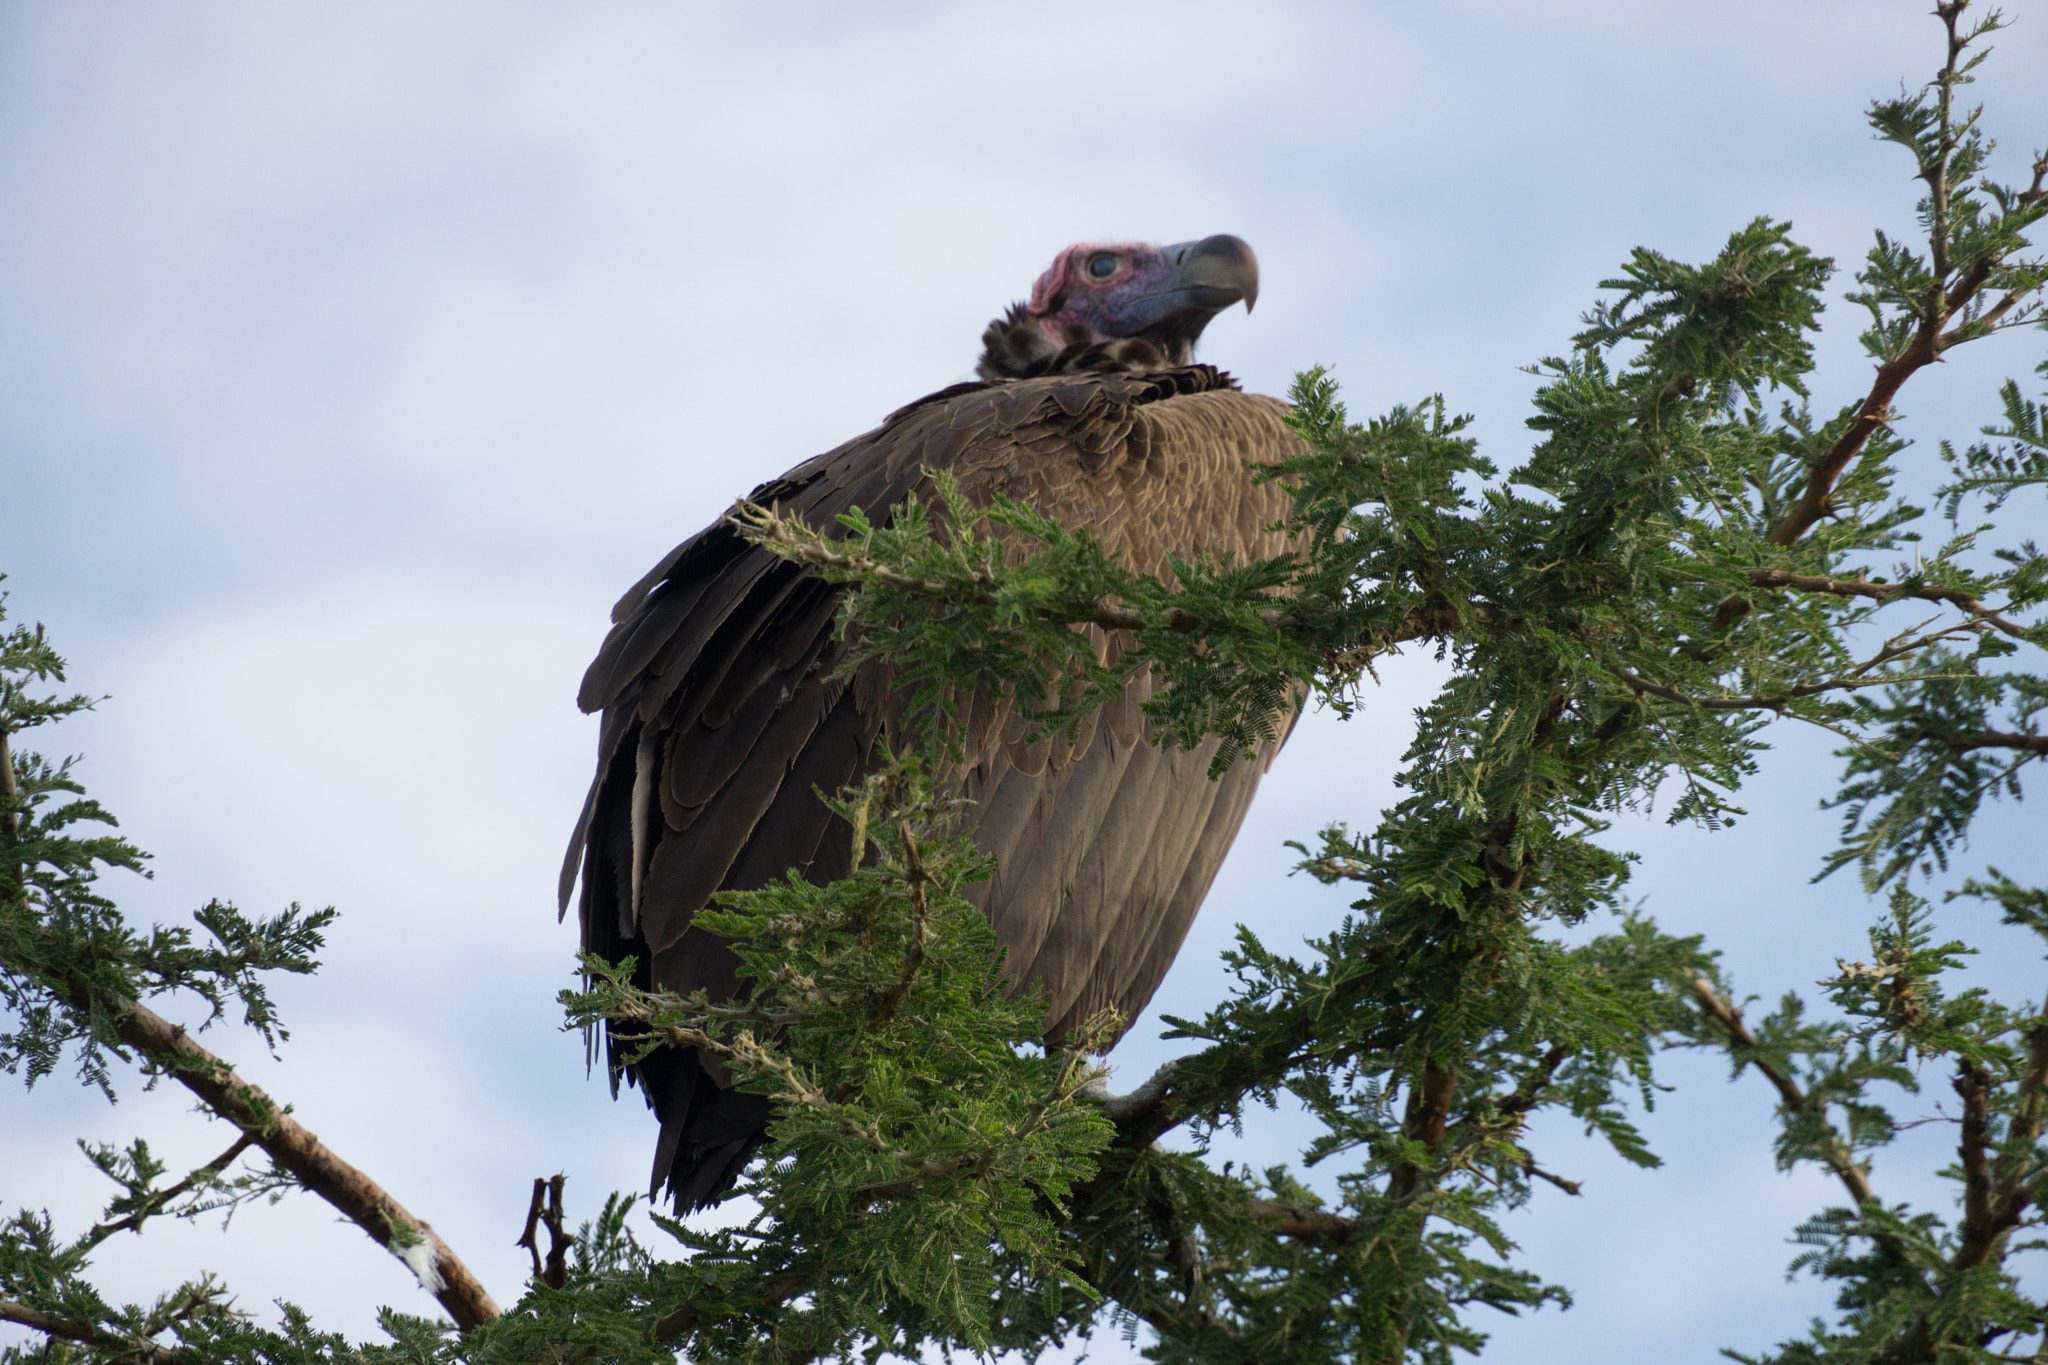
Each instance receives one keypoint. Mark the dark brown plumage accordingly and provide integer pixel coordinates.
(721, 714)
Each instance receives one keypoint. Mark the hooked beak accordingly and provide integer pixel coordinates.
(1215, 272)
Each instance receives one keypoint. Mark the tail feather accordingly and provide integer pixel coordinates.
(708, 1132)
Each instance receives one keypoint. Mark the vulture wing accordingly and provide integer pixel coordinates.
(721, 719)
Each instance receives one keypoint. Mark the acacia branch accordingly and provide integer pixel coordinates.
(1530, 1093)
(1428, 1119)
(1973, 1087)
(689, 1317)
(1729, 1020)
(1138, 1103)
(1997, 1195)
(159, 1200)
(790, 539)
(1944, 301)
(2025, 1128)
(1776, 701)
(1305, 1224)
(1875, 412)
(359, 1198)
(85, 1333)
(892, 999)
(1989, 739)
(1863, 587)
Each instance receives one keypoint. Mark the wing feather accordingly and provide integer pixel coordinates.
(1088, 926)
(690, 864)
(722, 658)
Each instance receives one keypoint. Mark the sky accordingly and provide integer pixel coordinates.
(355, 358)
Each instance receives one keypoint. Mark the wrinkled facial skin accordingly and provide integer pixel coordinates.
(1102, 291)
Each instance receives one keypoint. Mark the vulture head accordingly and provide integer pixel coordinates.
(1120, 306)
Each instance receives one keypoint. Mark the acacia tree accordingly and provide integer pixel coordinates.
(1690, 557)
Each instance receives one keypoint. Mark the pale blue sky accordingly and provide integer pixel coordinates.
(353, 359)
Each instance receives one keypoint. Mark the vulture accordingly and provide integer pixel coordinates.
(725, 712)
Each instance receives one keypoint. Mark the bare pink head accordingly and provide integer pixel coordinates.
(1121, 305)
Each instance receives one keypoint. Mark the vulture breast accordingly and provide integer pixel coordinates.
(721, 715)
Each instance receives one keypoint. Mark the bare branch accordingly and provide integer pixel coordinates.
(546, 1208)
(1313, 1225)
(1863, 587)
(68, 1329)
(359, 1198)
(1989, 739)
(1122, 1109)
(1833, 1152)
(1530, 1167)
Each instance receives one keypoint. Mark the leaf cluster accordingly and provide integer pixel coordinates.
(68, 957)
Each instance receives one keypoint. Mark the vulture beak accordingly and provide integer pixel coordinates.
(1200, 280)
(1215, 272)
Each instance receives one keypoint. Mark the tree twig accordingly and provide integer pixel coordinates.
(1312, 1225)
(84, 1333)
(1832, 1152)
(1863, 587)
(1775, 701)
(546, 1208)
(162, 1198)
(1943, 301)
(1529, 1167)
(1988, 739)
(359, 1198)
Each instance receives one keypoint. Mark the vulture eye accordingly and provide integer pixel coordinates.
(1101, 266)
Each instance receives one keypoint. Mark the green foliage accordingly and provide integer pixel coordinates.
(927, 1140)
(1918, 1285)
(1737, 323)
(1997, 472)
(66, 952)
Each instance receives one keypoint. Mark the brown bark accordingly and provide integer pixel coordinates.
(1815, 499)
(1992, 739)
(67, 1329)
(1730, 1021)
(1863, 587)
(1313, 1225)
(1973, 1087)
(1428, 1118)
(318, 1168)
